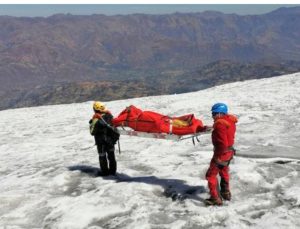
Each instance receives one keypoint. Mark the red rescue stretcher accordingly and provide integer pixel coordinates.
(133, 121)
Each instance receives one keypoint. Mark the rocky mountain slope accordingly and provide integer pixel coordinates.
(66, 49)
(170, 82)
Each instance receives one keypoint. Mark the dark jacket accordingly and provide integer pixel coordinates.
(100, 128)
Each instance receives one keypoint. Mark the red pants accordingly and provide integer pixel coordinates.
(215, 169)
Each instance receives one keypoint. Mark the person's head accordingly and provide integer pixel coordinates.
(219, 109)
(99, 107)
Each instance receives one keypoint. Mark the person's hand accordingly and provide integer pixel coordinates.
(207, 128)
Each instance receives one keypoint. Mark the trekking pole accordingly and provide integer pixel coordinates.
(119, 146)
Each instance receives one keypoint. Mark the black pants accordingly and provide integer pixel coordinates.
(107, 159)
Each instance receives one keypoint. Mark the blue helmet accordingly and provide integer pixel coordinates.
(219, 108)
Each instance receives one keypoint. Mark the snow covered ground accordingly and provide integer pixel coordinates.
(48, 165)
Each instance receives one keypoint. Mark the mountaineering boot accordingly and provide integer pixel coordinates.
(226, 195)
(213, 201)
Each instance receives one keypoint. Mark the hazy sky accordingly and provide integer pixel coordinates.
(44, 10)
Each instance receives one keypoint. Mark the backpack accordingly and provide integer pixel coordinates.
(114, 134)
(92, 123)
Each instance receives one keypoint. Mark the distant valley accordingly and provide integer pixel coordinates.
(68, 58)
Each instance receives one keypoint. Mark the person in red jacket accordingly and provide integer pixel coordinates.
(223, 140)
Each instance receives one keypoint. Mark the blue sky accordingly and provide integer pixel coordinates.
(44, 10)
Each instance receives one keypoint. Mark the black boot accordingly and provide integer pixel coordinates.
(213, 201)
(226, 195)
(225, 192)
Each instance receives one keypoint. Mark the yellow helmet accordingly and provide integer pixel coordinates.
(99, 106)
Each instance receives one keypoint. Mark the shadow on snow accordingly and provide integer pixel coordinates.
(173, 188)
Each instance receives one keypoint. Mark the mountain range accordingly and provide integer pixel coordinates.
(153, 54)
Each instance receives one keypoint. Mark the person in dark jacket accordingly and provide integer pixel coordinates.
(101, 128)
(223, 140)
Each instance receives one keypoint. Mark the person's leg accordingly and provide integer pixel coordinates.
(211, 177)
(225, 190)
(112, 160)
(224, 174)
(102, 160)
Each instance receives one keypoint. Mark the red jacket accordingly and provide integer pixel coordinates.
(223, 134)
